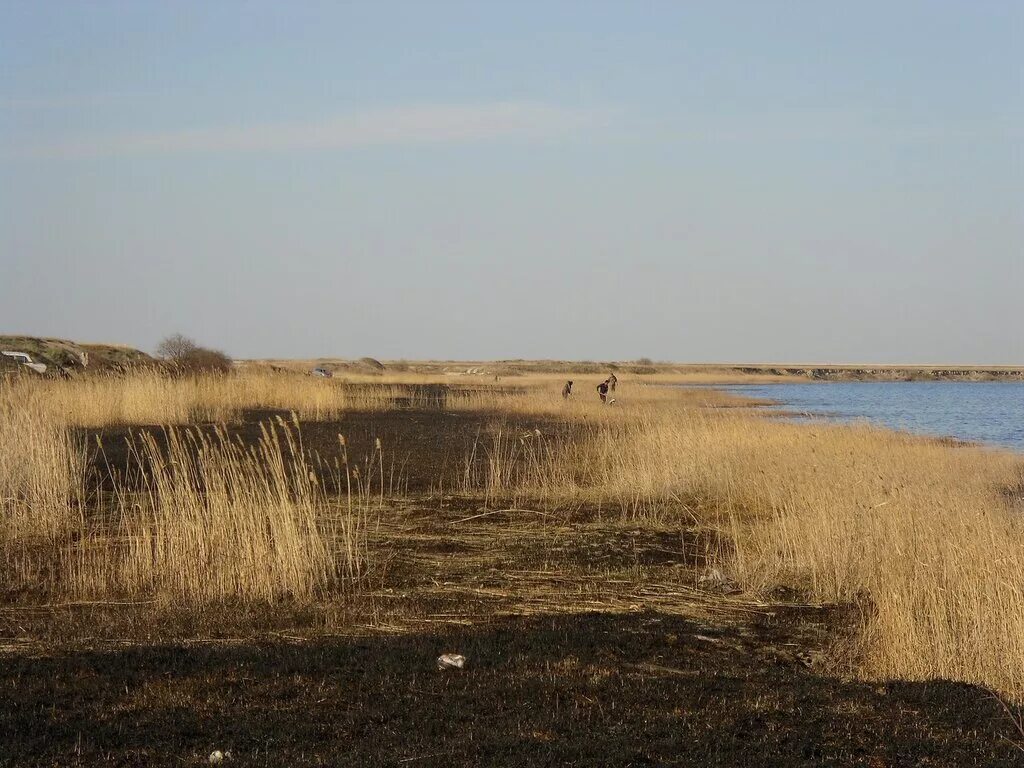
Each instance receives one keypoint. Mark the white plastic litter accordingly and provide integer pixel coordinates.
(451, 661)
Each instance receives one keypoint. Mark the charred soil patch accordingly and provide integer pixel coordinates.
(587, 644)
(423, 449)
(588, 689)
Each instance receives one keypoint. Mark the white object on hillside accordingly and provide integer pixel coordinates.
(26, 360)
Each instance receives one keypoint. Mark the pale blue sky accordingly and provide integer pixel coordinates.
(719, 181)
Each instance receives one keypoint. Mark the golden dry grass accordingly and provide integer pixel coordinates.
(214, 520)
(150, 397)
(921, 533)
(41, 467)
(197, 518)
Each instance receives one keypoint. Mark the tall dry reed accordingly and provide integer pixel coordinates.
(41, 468)
(925, 535)
(154, 398)
(213, 519)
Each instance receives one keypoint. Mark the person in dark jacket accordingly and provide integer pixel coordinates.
(602, 391)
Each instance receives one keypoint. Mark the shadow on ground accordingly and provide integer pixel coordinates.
(592, 689)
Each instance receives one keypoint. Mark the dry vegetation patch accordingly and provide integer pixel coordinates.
(251, 510)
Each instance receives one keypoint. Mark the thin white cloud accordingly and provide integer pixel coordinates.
(430, 124)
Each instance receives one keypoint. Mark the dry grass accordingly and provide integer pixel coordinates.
(921, 533)
(195, 518)
(41, 467)
(149, 397)
(215, 521)
(921, 530)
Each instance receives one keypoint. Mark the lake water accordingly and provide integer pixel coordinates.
(986, 412)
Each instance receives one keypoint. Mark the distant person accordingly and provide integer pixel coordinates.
(567, 390)
(602, 391)
(612, 381)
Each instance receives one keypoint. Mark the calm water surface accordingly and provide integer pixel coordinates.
(987, 412)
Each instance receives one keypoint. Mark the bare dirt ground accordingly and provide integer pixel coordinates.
(588, 639)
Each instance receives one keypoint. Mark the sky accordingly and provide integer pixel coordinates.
(687, 181)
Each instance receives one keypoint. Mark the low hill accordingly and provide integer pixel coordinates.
(61, 355)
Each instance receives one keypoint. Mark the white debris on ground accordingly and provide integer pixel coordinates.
(714, 580)
(451, 661)
(465, 372)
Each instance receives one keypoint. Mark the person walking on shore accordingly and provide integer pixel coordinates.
(602, 391)
(567, 390)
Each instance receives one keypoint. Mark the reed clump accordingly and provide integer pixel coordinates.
(216, 520)
(41, 468)
(195, 517)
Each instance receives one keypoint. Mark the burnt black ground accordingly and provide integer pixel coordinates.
(592, 689)
(423, 449)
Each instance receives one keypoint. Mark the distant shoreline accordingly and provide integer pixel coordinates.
(877, 373)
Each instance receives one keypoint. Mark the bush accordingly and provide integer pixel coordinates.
(207, 360)
(186, 356)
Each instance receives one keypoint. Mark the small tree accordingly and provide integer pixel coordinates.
(175, 348)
